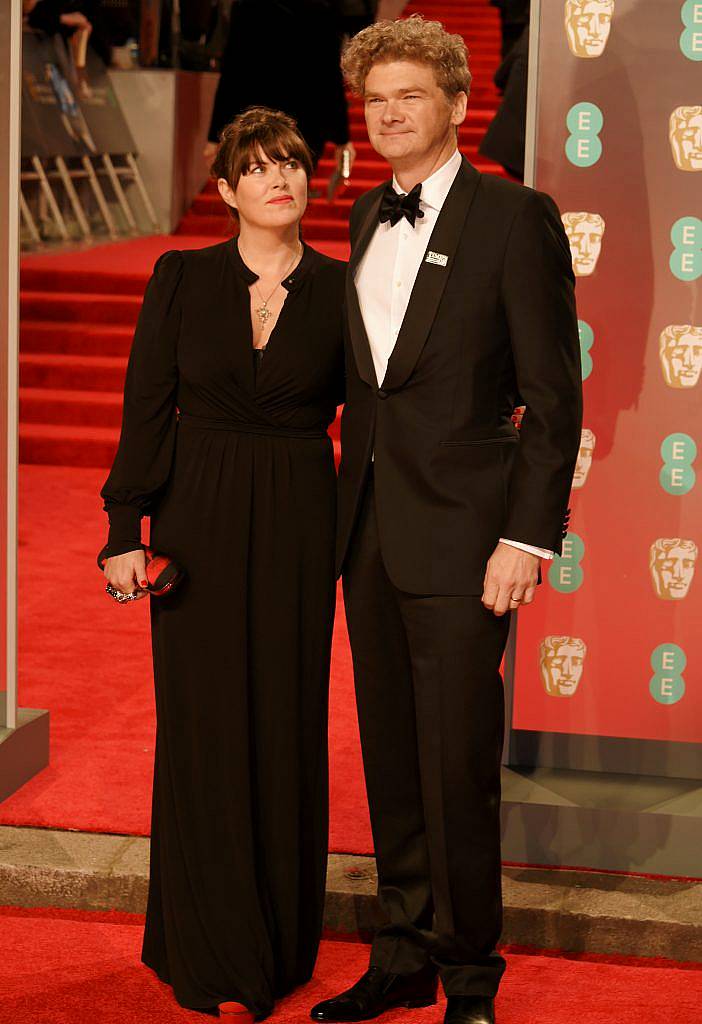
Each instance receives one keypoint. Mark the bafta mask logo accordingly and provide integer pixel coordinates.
(587, 25)
(686, 138)
(672, 565)
(584, 461)
(561, 660)
(585, 231)
(681, 355)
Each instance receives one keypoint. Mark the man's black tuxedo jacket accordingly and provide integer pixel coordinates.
(495, 325)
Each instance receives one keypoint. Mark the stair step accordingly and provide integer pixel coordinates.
(46, 444)
(84, 339)
(80, 307)
(44, 279)
(71, 372)
(317, 228)
(70, 408)
(198, 224)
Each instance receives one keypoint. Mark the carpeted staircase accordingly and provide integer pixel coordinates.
(78, 310)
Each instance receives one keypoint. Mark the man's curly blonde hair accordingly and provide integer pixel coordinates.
(413, 39)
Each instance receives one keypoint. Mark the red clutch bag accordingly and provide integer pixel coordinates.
(162, 572)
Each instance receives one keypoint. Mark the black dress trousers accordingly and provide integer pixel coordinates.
(431, 715)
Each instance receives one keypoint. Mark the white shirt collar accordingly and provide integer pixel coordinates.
(437, 185)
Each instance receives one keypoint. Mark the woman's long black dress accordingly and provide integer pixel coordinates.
(235, 468)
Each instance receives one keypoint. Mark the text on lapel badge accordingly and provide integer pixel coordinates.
(436, 257)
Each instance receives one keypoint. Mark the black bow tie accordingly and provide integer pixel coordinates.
(394, 207)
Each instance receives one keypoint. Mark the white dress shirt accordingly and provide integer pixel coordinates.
(389, 268)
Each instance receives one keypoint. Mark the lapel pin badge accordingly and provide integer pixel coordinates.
(436, 257)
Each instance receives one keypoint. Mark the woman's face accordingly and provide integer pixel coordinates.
(269, 194)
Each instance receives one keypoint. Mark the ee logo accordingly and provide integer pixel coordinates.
(587, 340)
(691, 38)
(583, 146)
(686, 257)
(678, 452)
(667, 685)
(565, 574)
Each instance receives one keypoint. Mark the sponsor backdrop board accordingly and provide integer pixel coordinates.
(611, 652)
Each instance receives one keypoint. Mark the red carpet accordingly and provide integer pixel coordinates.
(89, 661)
(67, 967)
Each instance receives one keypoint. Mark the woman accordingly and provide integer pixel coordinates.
(234, 375)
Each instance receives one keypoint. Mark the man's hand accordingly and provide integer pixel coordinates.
(510, 579)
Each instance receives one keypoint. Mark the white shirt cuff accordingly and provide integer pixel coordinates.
(541, 552)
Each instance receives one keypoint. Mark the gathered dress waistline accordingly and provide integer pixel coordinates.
(239, 427)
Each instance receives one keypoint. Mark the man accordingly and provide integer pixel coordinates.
(460, 300)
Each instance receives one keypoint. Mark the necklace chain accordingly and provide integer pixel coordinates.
(263, 313)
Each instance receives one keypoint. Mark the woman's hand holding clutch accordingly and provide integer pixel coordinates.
(137, 573)
(126, 576)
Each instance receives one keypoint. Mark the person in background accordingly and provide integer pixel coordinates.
(356, 15)
(505, 139)
(59, 16)
(107, 24)
(284, 54)
(514, 17)
(71, 19)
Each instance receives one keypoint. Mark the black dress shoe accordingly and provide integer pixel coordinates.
(469, 1010)
(378, 991)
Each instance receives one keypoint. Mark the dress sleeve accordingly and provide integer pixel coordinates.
(142, 465)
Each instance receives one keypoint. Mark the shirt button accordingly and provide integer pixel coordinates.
(398, 284)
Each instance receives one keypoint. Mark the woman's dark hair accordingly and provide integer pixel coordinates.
(259, 131)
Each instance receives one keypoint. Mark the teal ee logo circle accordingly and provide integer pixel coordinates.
(691, 38)
(583, 146)
(667, 685)
(565, 574)
(587, 340)
(686, 257)
(678, 452)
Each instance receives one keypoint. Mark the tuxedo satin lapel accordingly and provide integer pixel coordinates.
(357, 329)
(432, 277)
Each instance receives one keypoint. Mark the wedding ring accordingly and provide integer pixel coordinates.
(119, 596)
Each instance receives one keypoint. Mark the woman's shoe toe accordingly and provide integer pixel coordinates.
(237, 1013)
